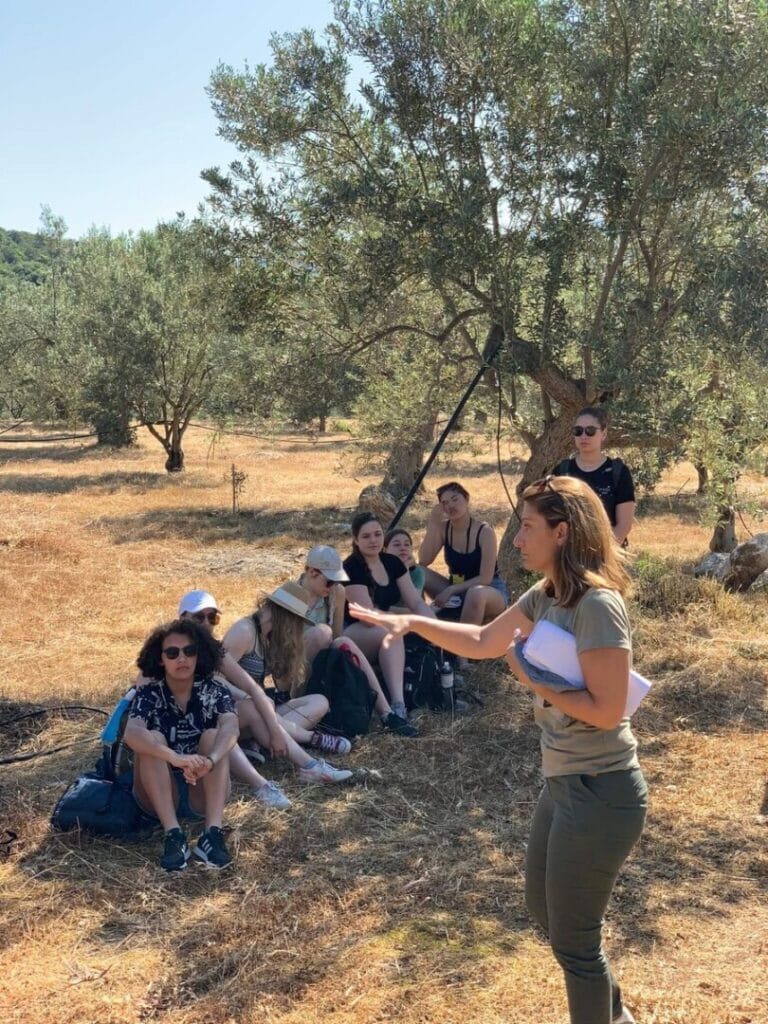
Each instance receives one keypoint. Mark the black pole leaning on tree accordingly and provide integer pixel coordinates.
(492, 346)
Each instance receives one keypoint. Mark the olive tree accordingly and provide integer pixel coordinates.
(554, 167)
(151, 323)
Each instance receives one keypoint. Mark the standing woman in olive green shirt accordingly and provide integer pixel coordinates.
(591, 810)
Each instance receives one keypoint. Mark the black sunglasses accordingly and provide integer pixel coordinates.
(213, 617)
(589, 431)
(188, 650)
(545, 484)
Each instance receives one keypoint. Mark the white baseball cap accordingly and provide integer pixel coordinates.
(196, 601)
(327, 560)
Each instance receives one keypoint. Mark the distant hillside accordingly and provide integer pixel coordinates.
(23, 255)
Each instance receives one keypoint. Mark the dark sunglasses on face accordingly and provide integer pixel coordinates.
(188, 650)
(589, 431)
(213, 617)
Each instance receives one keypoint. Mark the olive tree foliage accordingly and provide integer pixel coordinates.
(284, 338)
(412, 383)
(151, 323)
(39, 379)
(287, 365)
(554, 167)
(729, 420)
(339, 284)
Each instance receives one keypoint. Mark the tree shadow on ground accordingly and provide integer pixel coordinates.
(690, 700)
(327, 524)
(422, 868)
(12, 453)
(342, 442)
(18, 483)
(461, 468)
(685, 506)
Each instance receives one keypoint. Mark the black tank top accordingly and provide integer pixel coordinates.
(464, 565)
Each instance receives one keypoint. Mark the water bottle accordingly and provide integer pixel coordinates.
(446, 681)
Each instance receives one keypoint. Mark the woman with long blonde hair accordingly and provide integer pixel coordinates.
(591, 810)
(270, 642)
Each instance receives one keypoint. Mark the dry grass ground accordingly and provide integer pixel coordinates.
(399, 898)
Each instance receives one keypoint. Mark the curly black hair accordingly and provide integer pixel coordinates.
(209, 650)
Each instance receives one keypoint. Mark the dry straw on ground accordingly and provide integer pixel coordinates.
(399, 898)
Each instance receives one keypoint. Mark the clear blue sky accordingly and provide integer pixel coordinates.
(104, 115)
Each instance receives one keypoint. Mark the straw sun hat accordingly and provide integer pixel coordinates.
(293, 598)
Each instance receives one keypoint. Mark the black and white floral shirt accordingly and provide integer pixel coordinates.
(156, 706)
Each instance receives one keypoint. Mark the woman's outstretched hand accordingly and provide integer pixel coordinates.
(395, 625)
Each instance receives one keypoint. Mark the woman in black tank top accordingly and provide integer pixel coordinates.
(473, 590)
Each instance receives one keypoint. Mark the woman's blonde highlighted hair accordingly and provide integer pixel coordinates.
(589, 556)
(284, 647)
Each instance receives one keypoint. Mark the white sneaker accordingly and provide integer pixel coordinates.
(321, 771)
(271, 795)
(625, 1017)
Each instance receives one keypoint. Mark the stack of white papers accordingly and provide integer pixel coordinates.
(554, 649)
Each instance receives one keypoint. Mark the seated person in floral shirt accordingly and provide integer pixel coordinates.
(181, 728)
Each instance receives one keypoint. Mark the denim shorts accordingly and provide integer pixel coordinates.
(183, 807)
(498, 584)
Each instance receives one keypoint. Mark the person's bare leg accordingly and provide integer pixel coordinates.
(316, 639)
(248, 717)
(300, 715)
(154, 789)
(391, 659)
(258, 729)
(210, 793)
(481, 605)
(382, 704)
(434, 582)
(242, 769)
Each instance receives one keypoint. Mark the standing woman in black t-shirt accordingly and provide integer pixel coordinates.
(609, 478)
(379, 581)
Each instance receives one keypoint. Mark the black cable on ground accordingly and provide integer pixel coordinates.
(36, 753)
(45, 711)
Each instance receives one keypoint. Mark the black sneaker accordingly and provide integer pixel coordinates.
(212, 850)
(175, 852)
(399, 726)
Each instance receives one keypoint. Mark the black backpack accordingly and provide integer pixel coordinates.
(561, 469)
(102, 807)
(346, 688)
(422, 674)
(101, 802)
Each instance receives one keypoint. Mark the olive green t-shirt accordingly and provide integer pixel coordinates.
(568, 745)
